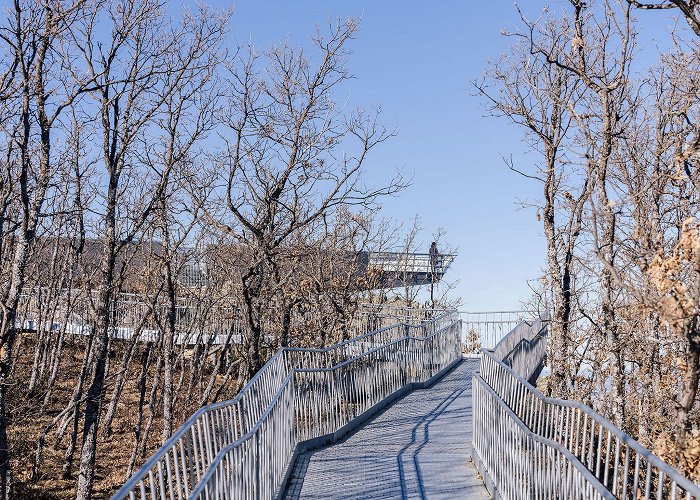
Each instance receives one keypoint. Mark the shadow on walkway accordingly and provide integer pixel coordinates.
(416, 448)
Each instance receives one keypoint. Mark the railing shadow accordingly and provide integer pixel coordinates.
(415, 433)
(424, 422)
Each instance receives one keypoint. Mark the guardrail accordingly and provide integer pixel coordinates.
(520, 463)
(523, 349)
(244, 448)
(483, 330)
(403, 262)
(569, 450)
(198, 320)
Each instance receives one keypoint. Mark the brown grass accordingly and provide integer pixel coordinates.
(113, 452)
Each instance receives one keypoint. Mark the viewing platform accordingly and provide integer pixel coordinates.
(398, 269)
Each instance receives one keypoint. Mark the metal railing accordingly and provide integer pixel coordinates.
(523, 350)
(401, 313)
(522, 464)
(198, 320)
(408, 262)
(483, 330)
(575, 442)
(243, 448)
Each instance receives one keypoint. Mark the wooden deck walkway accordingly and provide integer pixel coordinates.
(416, 448)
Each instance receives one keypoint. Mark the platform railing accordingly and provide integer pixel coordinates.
(403, 262)
(600, 453)
(484, 329)
(243, 448)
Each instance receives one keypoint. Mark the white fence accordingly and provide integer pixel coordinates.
(244, 448)
(198, 320)
(531, 446)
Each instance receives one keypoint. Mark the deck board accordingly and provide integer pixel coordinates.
(416, 448)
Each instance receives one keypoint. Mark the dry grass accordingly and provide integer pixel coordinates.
(113, 453)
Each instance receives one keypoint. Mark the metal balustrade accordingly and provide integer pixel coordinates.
(399, 313)
(480, 330)
(406, 262)
(523, 349)
(521, 463)
(556, 438)
(197, 320)
(244, 448)
(483, 330)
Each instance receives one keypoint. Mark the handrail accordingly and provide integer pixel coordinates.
(523, 349)
(511, 311)
(484, 329)
(541, 468)
(182, 461)
(411, 254)
(332, 354)
(441, 317)
(617, 461)
(214, 485)
(595, 441)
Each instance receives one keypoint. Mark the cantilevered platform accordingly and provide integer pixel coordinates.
(397, 269)
(416, 448)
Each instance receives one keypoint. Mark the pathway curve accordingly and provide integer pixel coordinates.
(416, 448)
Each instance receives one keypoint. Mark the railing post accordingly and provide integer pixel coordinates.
(258, 494)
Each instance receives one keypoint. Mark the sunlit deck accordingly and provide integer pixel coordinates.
(416, 448)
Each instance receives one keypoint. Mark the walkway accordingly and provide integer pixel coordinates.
(416, 448)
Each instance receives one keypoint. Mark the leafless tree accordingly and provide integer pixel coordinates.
(283, 168)
(134, 72)
(156, 194)
(690, 9)
(626, 187)
(542, 98)
(34, 97)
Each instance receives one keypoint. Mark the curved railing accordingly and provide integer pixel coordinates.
(521, 463)
(332, 355)
(243, 448)
(524, 348)
(596, 450)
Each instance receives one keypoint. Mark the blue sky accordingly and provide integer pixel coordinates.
(415, 59)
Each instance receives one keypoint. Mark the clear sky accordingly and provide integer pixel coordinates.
(415, 59)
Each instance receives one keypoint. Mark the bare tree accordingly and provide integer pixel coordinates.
(135, 72)
(283, 168)
(37, 97)
(626, 201)
(690, 9)
(541, 98)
